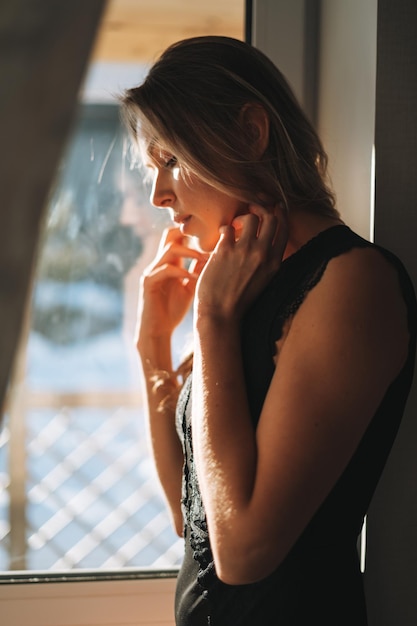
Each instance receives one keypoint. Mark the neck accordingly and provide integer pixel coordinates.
(304, 225)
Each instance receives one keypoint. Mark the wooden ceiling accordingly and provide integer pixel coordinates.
(134, 31)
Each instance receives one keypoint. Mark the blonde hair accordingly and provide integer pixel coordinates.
(190, 104)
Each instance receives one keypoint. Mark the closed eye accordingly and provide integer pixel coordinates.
(171, 162)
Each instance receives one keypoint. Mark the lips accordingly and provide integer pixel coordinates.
(181, 219)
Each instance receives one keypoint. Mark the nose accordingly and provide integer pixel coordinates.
(162, 195)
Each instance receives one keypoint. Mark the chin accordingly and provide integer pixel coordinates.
(202, 244)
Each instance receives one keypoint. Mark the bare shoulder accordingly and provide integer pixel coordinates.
(359, 298)
(346, 343)
(365, 267)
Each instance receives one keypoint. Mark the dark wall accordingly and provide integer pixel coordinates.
(391, 571)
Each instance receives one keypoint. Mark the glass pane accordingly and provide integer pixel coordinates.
(78, 488)
(91, 495)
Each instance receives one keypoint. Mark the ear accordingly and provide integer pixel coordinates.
(255, 122)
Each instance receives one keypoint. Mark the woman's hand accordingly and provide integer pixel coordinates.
(166, 290)
(248, 254)
(167, 286)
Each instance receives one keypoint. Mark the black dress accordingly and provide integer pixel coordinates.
(319, 582)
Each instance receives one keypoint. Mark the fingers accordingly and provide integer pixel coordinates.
(170, 234)
(173, 235)
(173, 249)
(162, 272)
(246, 226)
(196, 266)
(266, 227)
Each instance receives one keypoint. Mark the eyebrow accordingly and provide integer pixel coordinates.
(157, 154)
(148, 149)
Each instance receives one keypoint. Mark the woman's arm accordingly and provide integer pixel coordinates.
(166, 291)
(160, 403)
(345, 345)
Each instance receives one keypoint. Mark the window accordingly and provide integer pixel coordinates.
(78, 487)
(90, 497)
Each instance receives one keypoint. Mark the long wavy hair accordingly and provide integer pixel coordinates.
(191, 103)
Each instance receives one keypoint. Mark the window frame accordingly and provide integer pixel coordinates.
(136, 598)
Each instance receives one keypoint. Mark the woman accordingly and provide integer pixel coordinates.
(304, 341)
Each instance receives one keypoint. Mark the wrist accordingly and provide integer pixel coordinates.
(216, 324)
(155, 352)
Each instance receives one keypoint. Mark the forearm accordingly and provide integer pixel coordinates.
(161, 392)
(223, 434)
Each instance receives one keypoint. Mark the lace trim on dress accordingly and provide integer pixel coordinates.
(195, 522)
(291, 308)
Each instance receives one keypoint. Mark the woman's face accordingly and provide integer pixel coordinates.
(199, 209)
